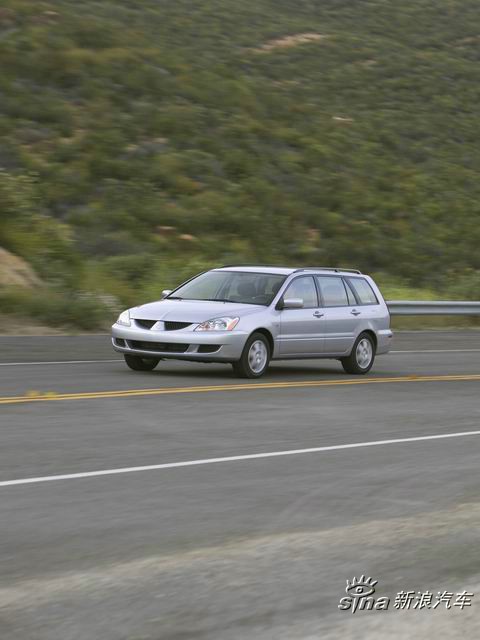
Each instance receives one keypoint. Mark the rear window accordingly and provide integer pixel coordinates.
(363, 290)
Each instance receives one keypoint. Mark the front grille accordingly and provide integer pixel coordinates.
(166, 347)
(169, 326)
(146, 324)
(208, 348)
(120, 342)
(175, 326)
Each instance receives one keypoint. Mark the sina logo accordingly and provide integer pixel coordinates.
(360, 596)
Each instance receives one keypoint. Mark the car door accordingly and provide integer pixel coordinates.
(300, 329)
(340, 320)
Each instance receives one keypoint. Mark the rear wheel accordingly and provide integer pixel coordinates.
(140, 364)
(255, 357)
(362, 357)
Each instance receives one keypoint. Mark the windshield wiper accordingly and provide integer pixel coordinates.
(173, 298)
(257, 304)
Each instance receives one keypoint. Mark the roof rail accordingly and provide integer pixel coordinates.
(336, 269)
(276, 266)
(252, 264)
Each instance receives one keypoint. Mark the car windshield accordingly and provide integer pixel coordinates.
(231, 286)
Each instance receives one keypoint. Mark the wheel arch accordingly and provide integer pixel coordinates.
(372, 334)
(269, 337)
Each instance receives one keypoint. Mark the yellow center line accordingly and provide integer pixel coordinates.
(52, 396)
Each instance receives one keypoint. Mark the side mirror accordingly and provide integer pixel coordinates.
(166, 292)
(292, 303)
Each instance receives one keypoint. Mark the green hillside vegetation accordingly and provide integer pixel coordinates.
(145, 140)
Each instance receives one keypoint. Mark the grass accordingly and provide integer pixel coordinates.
(57, 309)
(46, 308)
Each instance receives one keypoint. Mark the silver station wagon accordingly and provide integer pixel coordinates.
(250, 315)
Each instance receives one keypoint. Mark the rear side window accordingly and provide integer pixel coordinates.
(363, 290)
(333, 291)
(351, 297)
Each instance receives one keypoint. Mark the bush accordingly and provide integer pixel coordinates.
(464, 286)
(360, 148)
(60, 309)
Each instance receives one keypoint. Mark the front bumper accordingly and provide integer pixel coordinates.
(207, 346)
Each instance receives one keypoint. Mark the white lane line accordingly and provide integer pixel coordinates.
(12, 336)
(250, 456)
(435, 351)
(20, 364)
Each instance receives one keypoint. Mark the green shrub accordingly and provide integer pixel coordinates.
(120, 119)
(464, 286)
(60, 309)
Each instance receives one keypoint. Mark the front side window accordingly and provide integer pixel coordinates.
(364, 291)
(303, 288)
(333, 291)
(231, 286)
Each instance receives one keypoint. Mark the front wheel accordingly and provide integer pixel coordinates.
(140, 364)
(362, 357)
(255, 357)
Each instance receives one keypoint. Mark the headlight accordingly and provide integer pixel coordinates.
(124, 318)
(218, 324)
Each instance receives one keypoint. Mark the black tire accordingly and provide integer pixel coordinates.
(243, 367)
(351, 364)
(140, 364)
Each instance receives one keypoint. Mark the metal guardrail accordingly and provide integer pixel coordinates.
(433, 308)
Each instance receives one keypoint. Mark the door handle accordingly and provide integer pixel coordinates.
(318, 314)
(354, 312)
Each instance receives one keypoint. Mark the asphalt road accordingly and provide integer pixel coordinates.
(248, 547)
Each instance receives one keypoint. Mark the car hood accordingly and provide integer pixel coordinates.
(192, 311)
